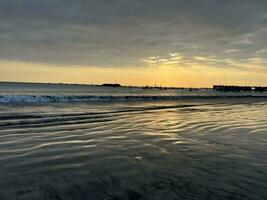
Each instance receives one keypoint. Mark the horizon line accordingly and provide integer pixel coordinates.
(98, 84)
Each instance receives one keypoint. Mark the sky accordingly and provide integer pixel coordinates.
(191, 43)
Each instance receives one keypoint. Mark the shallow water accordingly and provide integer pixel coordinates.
(191, 149)
(41, 93)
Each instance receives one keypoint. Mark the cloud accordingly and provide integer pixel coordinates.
(173, 59)
(231, 50)
(121, 33)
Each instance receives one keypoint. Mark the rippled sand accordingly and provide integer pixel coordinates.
(215, 149)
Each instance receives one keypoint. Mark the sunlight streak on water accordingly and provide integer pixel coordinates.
(153, 150)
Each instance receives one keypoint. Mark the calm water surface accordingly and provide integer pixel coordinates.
(183, 149)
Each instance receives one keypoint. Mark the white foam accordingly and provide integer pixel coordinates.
(87, 98)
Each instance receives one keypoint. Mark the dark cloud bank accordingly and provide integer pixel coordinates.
(123, 32)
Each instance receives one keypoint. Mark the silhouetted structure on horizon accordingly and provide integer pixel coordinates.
(231, 88)
(111, 85)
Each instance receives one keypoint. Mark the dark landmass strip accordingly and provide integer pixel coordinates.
(231, 88)
(111, 85)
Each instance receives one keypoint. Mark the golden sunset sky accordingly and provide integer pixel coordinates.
(135, 42)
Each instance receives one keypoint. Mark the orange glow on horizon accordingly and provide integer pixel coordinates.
(162, 75)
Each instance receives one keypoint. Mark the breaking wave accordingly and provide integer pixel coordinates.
(88, 98)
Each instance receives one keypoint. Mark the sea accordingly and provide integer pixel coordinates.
(64, 141)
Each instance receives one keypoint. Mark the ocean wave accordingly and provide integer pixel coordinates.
(88, 98)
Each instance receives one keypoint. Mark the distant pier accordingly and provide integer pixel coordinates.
(231, 88)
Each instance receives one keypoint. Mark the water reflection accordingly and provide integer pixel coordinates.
(166, 150)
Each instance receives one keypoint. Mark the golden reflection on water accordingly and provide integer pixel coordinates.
(187, 148)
